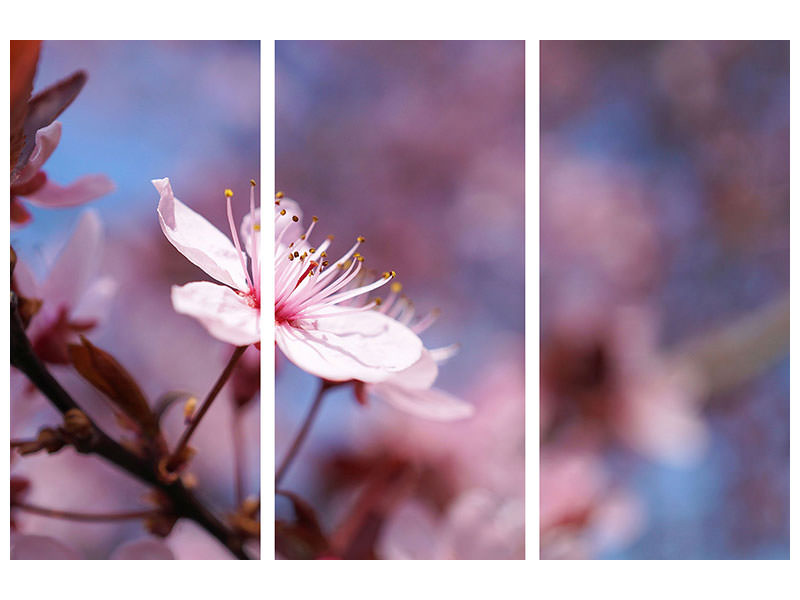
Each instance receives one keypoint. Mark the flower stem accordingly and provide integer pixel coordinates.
(301, 435)
(238, 454)
(79, 516)
(175, 458)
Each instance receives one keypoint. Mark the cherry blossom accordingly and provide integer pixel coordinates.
(74, 300)
(32, 183)
(315, 327)
(411, 390)
(229, 310)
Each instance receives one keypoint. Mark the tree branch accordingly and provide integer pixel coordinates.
(184, 503)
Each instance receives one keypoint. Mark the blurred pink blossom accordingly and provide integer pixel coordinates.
(74, 299)
(32, 183)
(580, 513)
(477, 526)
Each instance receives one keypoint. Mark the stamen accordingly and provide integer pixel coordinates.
(307, 272)
(235, 236)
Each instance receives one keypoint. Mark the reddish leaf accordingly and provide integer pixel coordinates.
(103, 371)
(43, 110)
(24, 56)
(302, 539)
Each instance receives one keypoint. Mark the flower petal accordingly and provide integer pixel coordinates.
(197, 239)
(247, 230)
(433, 404)
(419, 376)
(367, 346)
(82, 190)
(41, 547)
(224, 313)
(47, 139)
(143, 549)
(75, 265)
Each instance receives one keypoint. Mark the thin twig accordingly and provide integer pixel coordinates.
(301, 435)
(220, 383)
(79, 516)
(238, 454)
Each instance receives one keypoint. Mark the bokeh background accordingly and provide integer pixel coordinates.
(188, 111)
(664, 216)
(419, 147)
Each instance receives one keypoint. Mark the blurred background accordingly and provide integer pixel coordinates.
(184, 110)
(419, 147)
(664, 300)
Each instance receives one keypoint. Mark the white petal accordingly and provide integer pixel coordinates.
(197, 239)
(224, 313)
(420, 375)
(367, 346)
(76, 264)
(247, 231)
(433, 404)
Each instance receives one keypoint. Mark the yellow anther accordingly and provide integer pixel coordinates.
(279, 195)
(360, 239)
(396, 287)
(356, 255)
(360, 258)
(283, 211)
(330, 237)
(291, 256)
(277, 202)
(315, 219)
(257, 227)
(253, 182)
(302, 237)
(325, 263)
(296, 253)
(188, 408)
(323, 254)
(312, 250)
(229, 193)
(295, 218)
(386, 274)
(378, 301)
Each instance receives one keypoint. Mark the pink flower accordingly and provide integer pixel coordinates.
(230, 312)
(314, 327)
(581, 513)
(32, 183)
(73, 300)
(477, 526)
(411, 390)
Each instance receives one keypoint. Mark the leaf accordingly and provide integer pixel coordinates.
(302, 539)
(103, 371)
(43, 110)
(24, 57)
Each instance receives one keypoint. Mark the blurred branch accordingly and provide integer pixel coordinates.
(180, 451)
(183, 502)
(79, 516)
(738, 352)
(304, 429)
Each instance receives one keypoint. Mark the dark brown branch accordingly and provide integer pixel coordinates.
(184, 503)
